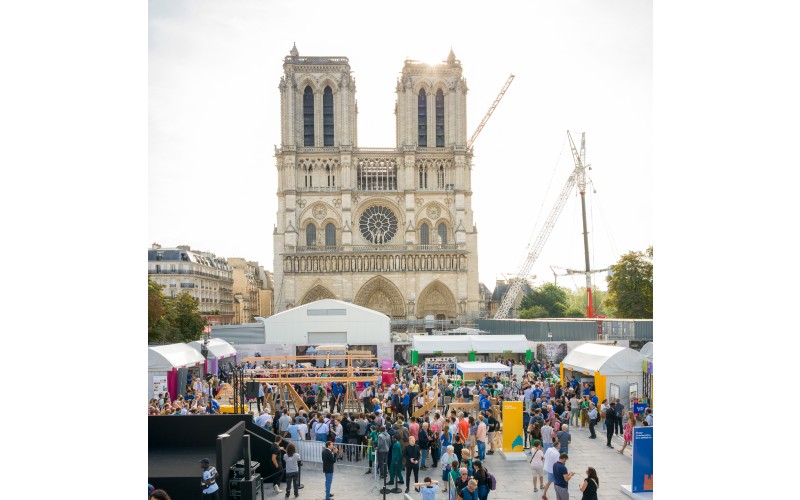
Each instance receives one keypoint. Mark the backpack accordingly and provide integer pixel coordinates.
(492, 481)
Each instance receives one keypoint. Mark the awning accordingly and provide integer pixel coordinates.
(217, 348)
(499, 343)
(483, 344)
(167, 357)
(480, 367)
(647, 351)
(606, 359)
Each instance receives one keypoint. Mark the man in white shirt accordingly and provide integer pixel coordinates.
(209, 482)
(550, 458)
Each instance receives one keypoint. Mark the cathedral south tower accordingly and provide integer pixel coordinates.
(388, 228)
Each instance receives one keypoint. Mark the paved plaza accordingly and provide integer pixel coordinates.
(513, 477)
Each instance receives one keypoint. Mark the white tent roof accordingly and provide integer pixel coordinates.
(167, 357)
(647, 351)
(499, 343)
(606, 359)
(479, 367)
(217, 348)
(425, 344)
(429, 344)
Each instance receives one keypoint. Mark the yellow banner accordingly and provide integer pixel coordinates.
(513, 439)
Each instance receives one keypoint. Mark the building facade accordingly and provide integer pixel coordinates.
(252, 294)
(203, 275)
(388, 228)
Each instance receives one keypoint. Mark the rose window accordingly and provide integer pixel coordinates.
(378, 224)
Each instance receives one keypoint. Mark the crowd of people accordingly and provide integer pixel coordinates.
(453, 443)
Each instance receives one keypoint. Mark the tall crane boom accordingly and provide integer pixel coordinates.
(536, 249)
(489, 113)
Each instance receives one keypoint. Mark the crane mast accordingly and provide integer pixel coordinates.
(578, 176)
(489, 113)
(580, 162)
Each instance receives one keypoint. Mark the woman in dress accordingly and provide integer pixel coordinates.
(447, 460)
(590, 485)
(627, 431)
(537, 464)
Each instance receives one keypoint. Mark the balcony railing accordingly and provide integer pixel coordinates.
(377, 248)
(191, 273)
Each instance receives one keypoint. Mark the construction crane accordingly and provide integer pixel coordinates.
(489, 113)
(568, 272)
(578, 176)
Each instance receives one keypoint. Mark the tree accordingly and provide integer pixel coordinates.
(533, 313)
(551, 297)
(630, 285)
(186, 319)
(157, 308)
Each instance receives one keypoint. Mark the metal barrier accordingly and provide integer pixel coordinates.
(350, 455)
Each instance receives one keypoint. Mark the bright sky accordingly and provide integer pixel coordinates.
(582, 65)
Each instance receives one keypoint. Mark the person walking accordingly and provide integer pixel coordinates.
(550, 458)
(537, 464)
(590, 485)
(562, 477)
(592, 421)
(276, 453)
(292, 463)
(328, 459)
(424, 444)
(575, 409)
(565, 438)
(209, 481)
(627, 434)
(611, 418)
(492, 427)
(619, 411)
(412, 455)
(481, 436)
(547, 436)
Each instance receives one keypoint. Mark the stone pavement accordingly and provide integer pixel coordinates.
(513, 477)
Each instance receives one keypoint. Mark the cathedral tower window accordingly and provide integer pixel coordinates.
(440, 177)
(443, 234)
(311, 235)
(308, 170)
(423, 177)
(327, 116)
(330, 235)
(422, 119)
(308, 117)
(439, 119)
(331, 177)
(424, 238)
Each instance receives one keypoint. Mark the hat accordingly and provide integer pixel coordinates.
(205, 461)
(378, 411)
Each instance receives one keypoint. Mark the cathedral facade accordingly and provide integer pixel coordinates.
(389, 228)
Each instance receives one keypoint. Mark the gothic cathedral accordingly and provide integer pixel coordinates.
(391, 228)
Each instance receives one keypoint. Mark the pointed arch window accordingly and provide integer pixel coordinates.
(422, 119)
(439, 119)
(330, 235)
(424, 237)
(311, 235)
(442, 234)
(308, 170)
(327, 116)
(440, 177)
(423, 177)
(331, 177)
(308, 117)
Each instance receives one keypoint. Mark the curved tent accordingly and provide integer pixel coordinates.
(647, 351)
(218, 350)
(480, 367)
(620, 367)
(499, 343)
(167, 364)
(484, 344)
(606, 359)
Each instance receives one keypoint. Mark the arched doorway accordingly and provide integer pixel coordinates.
(436, 299)
(319, 292)
(380, 294)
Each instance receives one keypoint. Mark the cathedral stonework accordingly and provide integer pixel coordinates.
(390, 228)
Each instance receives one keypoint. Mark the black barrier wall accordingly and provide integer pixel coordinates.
(229, 451)
(188, 430)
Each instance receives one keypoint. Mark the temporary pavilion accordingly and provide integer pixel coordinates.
(469, 344)
(219, 352)
(607, 365)
(174, 361)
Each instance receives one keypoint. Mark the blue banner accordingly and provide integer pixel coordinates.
(642, 459)
(639, 408)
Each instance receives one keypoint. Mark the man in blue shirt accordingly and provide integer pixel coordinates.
(562, 477)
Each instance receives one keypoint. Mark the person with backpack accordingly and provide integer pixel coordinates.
(482, 476)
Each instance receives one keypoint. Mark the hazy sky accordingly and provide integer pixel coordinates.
(583, 66)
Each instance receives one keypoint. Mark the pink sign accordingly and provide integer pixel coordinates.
(387, 372)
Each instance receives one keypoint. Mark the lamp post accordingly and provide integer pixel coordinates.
(204, 352)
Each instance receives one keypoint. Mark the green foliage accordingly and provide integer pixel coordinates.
(550, 297)
(630, 286)
(533, 312)
(573, 312)
(172, 320)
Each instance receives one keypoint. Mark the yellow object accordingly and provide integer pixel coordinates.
(226, 408)
(561, 371)
(600, 388)
(513, 439)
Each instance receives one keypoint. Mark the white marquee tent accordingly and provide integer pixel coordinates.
(620, 367)
(483, 344)
(480, 367)
(170, 362)
(218, 351)
(647, 351)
